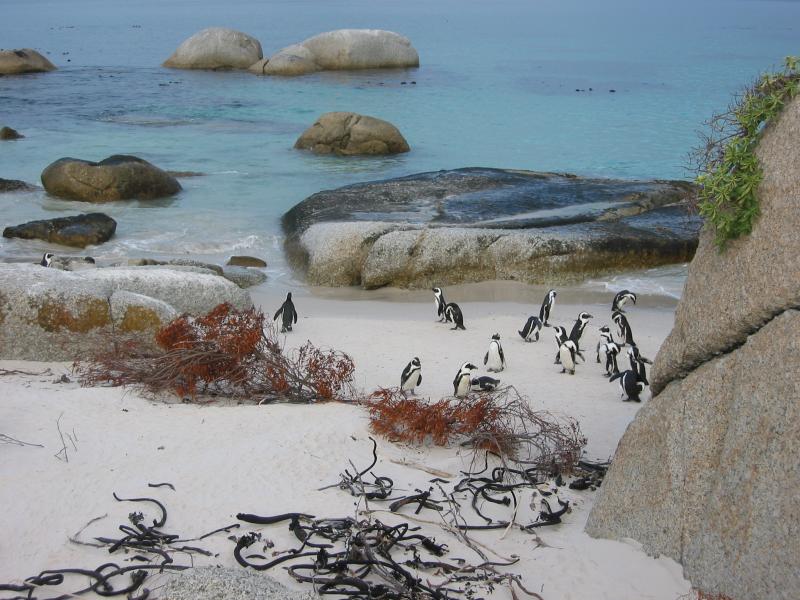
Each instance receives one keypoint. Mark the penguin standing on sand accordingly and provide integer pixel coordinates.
(438, 301)
(578, 327)
(568, 352)
(625, 332)
(484, 384)
(531, 329)
(547, 306)
(561, 336)
(411, 376)
(453, 314)
(47, 259)
(638, 363)
(463, 380)
(288, 314)
(610, 349)
(629, 382)
(620, 299)
(495, 360)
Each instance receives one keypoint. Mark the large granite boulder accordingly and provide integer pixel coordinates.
(78, 231)
(479, 224)
(706, 473)
(14, 62)
(50, 314)
(756, 277)
(7, 133)
(118, 177)
(344, 49)
(347, 134)
(216, 48)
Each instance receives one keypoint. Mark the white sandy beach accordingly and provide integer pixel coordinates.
(225, 458)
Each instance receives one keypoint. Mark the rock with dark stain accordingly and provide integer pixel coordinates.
(50, 314)
(78, 231)
(25, 60)
(351, 134)
(479, 224)
(118, 177)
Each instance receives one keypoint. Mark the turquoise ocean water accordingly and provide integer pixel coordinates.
(496, 87)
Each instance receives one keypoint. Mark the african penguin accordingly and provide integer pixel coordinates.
(578, 327)
(495, 360)
(561, 336)
(605, 337)
(288, 314)
(484, 383)
(568, 352)
(47, 259)
(547, 306)
(411, 376)
(531, 329)
(629, 382)
(463, 380)
(625, 332)
(620, 299)
(453, 314)
(439, 303)
(638, 363)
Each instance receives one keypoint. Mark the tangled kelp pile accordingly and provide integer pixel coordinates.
(226, 352)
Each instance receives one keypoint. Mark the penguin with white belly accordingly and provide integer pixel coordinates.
(495, 360)
(568, 353)
(561, 336)
(625, 331)
(411, 376)
(638, 363)
(439, 303)
(463, 380)
(453, 314)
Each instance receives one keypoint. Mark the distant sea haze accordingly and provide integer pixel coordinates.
(516, 84)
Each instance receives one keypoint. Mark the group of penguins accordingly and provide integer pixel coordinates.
(632, 381)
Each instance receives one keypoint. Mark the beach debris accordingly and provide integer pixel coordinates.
(143, 542)
(500, 421)
(226, 352)
(7, 439)
(369, 559)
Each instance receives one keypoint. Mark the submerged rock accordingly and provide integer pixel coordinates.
(25, 60)
(347, 133)
(244, 277)
(50, 314)
(246, 261)
(343, 49)
(479, 224)
(705, 474)
(15, 185)
(7, 133)
(118, 177)
(78, 231)
(216, 48)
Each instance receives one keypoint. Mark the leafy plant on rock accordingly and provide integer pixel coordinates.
(728, 170)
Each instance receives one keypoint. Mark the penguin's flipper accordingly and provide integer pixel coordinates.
(278, 314)
(502, 356)
(486, 357)
(522, 335)
(294, 315)
(419, 381)
(615, 376)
